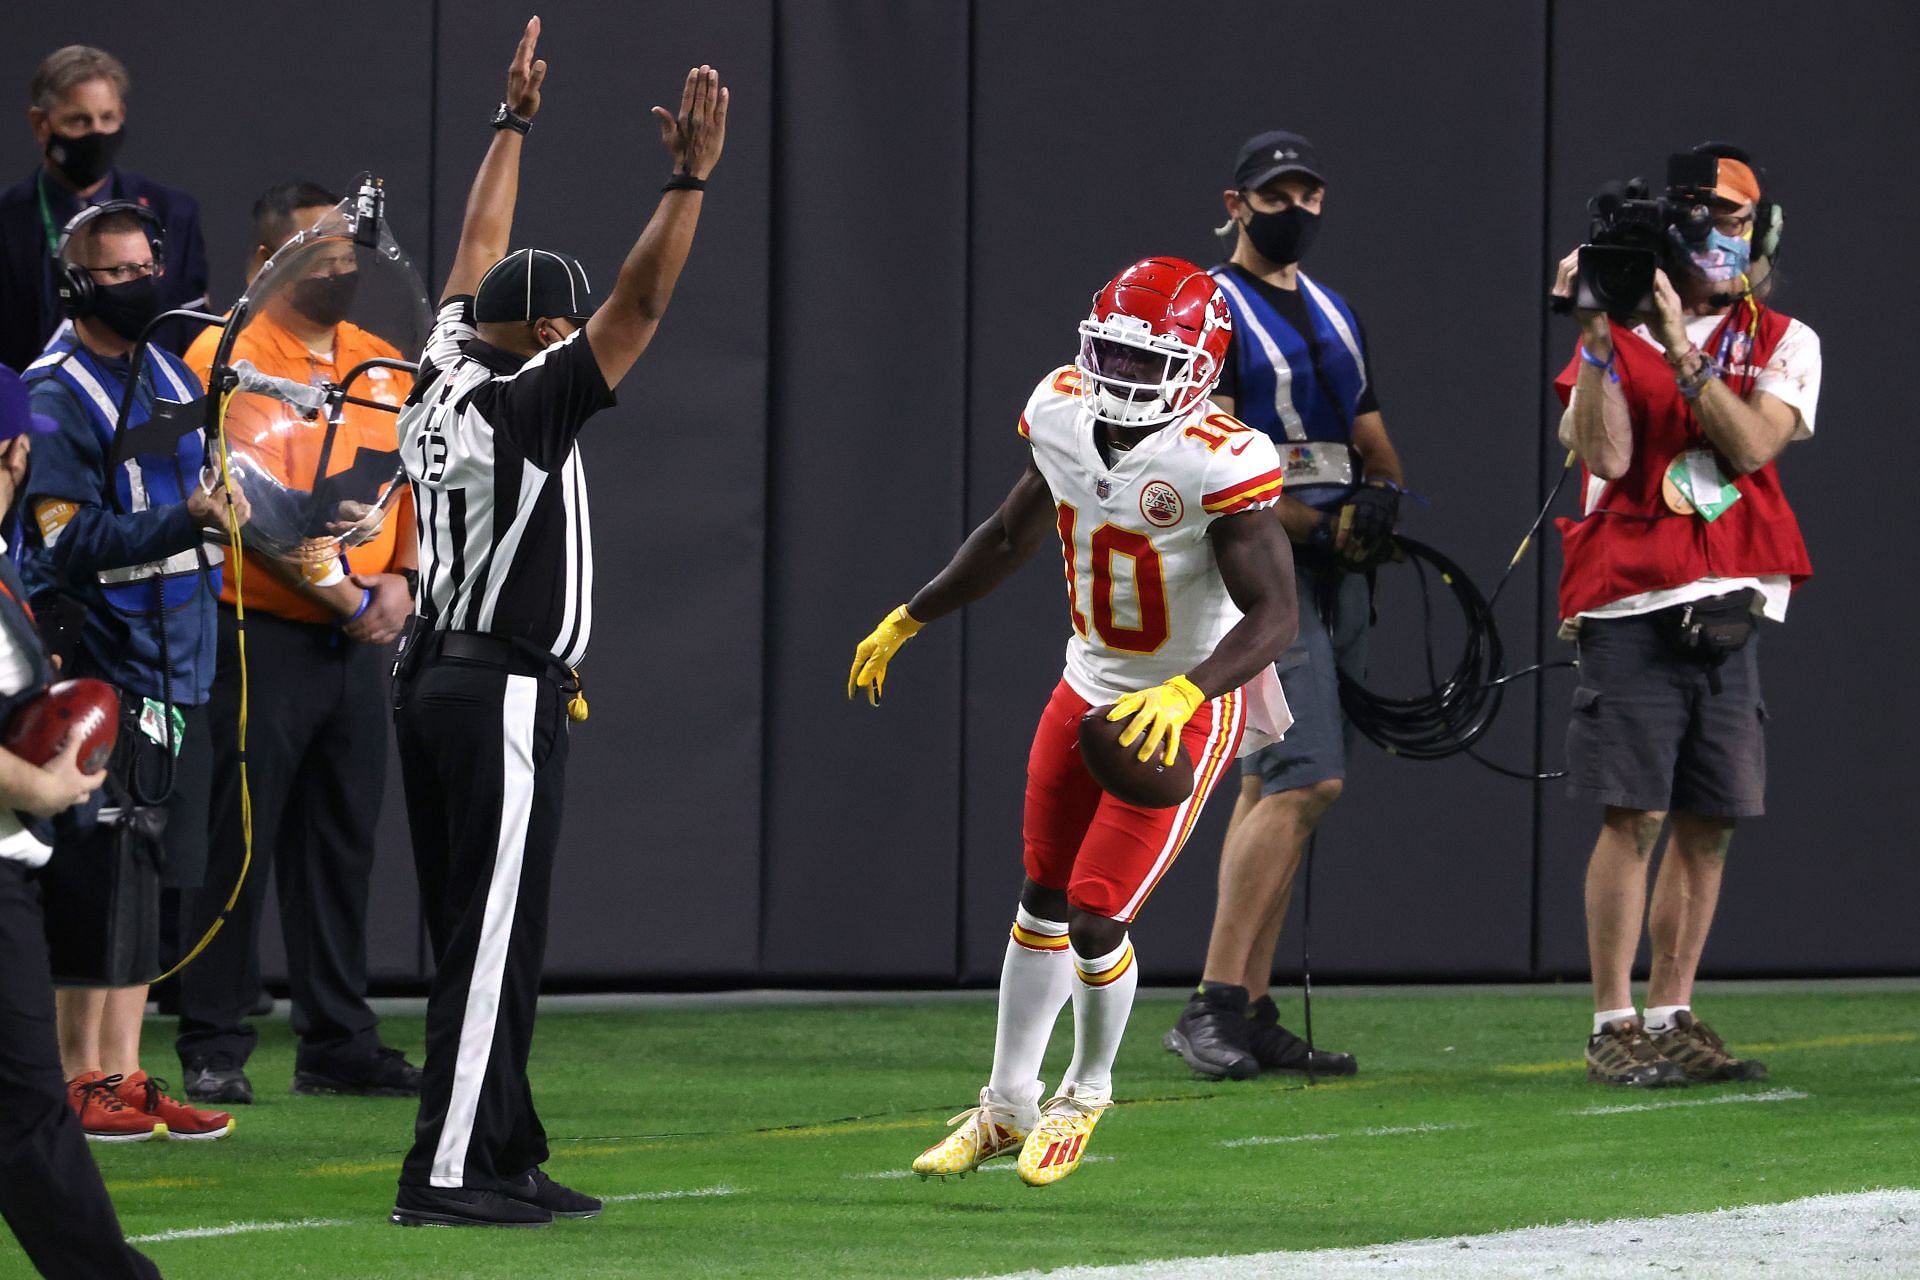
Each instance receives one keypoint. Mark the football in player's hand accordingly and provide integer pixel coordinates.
(1154, 784)
(90, 708)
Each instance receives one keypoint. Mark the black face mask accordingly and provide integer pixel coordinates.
(1283, 237)
(325, 300)
(84, 160)
(127, 308)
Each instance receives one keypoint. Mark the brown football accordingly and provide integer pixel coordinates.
(1152, 785)
(90, 708)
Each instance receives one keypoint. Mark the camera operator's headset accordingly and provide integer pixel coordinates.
(73, 282)
(1769, 219)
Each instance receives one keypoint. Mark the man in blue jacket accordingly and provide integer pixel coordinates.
(115, 562)
(1299, 370)
(78, 115)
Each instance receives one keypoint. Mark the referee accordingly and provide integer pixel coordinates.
(518, 361)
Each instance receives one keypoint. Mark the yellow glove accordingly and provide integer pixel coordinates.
(871, 658)
(1160, 713)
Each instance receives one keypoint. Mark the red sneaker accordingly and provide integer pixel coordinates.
(104, 1117)
(141, 1092)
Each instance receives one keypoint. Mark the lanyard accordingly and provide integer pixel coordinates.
(46, 214)
(46, 211)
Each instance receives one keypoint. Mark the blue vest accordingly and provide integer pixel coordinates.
(130, 607)
(1282, 394)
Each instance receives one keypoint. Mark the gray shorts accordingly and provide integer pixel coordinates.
(1649, 733)
(1315, 748)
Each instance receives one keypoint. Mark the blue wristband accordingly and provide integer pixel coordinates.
(366, 599)
(1607, 364)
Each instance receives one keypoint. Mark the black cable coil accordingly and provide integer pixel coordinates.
(1456, 711)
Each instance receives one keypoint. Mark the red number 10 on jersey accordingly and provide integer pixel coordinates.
(1149, 584)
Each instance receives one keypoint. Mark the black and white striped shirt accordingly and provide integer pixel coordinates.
(488, 442)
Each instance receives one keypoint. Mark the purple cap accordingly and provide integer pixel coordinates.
(16, 411)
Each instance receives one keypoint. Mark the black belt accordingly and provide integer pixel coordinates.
(516, 657)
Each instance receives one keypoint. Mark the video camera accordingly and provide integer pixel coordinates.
(1633, 232)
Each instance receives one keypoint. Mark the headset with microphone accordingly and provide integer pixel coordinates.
(1769, 218)
(73, 282)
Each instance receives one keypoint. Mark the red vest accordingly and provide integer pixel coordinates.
(1631, 541)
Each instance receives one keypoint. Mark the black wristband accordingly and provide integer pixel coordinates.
(504, 117)
(684, 182)
(412, 577)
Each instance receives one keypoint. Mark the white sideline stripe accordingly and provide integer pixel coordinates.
(697, 1193)
(1769, 1095)
(236, 1229)
(1865, 1236)
(1385, 1131)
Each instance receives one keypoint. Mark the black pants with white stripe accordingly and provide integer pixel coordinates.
(483, 755)
(50, 1191)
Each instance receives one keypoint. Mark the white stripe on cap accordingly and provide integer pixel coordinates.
(573, 296)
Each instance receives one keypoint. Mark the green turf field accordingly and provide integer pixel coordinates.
(779, 1132)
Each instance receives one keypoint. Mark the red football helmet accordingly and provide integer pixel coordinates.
(1154, 344)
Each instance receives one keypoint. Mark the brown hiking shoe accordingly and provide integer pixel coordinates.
(1702, 1054)
(1622, 1054)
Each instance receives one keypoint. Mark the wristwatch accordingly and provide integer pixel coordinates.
(412, 577)
(504, 118)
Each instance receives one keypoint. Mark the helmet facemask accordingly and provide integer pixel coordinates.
(1133, 377)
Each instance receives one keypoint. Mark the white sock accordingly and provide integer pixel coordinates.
(1660, 1016)
(1601, 1019)
(1035, 981)
(1102, 998)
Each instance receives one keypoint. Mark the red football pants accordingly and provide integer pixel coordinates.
(1107, 854)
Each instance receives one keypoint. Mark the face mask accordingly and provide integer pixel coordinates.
(1283, 237)
(1724, 258)
(84, 160)
(127, 308)
(325, 300)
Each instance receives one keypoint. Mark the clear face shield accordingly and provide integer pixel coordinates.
(1133, 377)
(324, 344)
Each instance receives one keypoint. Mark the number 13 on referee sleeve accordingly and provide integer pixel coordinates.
(433, 457)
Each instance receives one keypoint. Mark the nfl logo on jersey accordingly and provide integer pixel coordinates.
(1103, 487)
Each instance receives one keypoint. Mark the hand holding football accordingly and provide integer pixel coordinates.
(87, 708)
(1152, 784)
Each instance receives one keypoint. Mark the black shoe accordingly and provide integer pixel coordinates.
(459, 1207)
(216, 1079)
(1212, 1034)
(1278, 1049)
(384, 1073)
(262, 1004)
(537, 1189)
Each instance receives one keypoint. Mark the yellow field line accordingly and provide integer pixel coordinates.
(159, 1184)
(1782, 1046)
(351, 1170)
(1839, 1042)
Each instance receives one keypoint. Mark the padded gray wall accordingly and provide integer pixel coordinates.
(916, 202)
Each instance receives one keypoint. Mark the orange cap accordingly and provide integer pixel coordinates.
(1734, 181)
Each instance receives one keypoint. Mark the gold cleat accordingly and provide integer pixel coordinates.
(1054, 1148)
(984, 1132)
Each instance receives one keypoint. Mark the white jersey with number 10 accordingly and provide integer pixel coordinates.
(1143, 589)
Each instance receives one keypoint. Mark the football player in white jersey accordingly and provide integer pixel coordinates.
(1180, 591)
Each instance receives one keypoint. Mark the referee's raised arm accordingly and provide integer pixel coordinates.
(621, 329)
(488, 225)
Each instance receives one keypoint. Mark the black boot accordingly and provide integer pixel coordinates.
(1212, 1033)
(1278, 1049)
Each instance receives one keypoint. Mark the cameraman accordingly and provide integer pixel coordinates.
(1685, 540)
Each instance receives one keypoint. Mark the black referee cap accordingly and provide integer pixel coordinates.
(530, 283)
